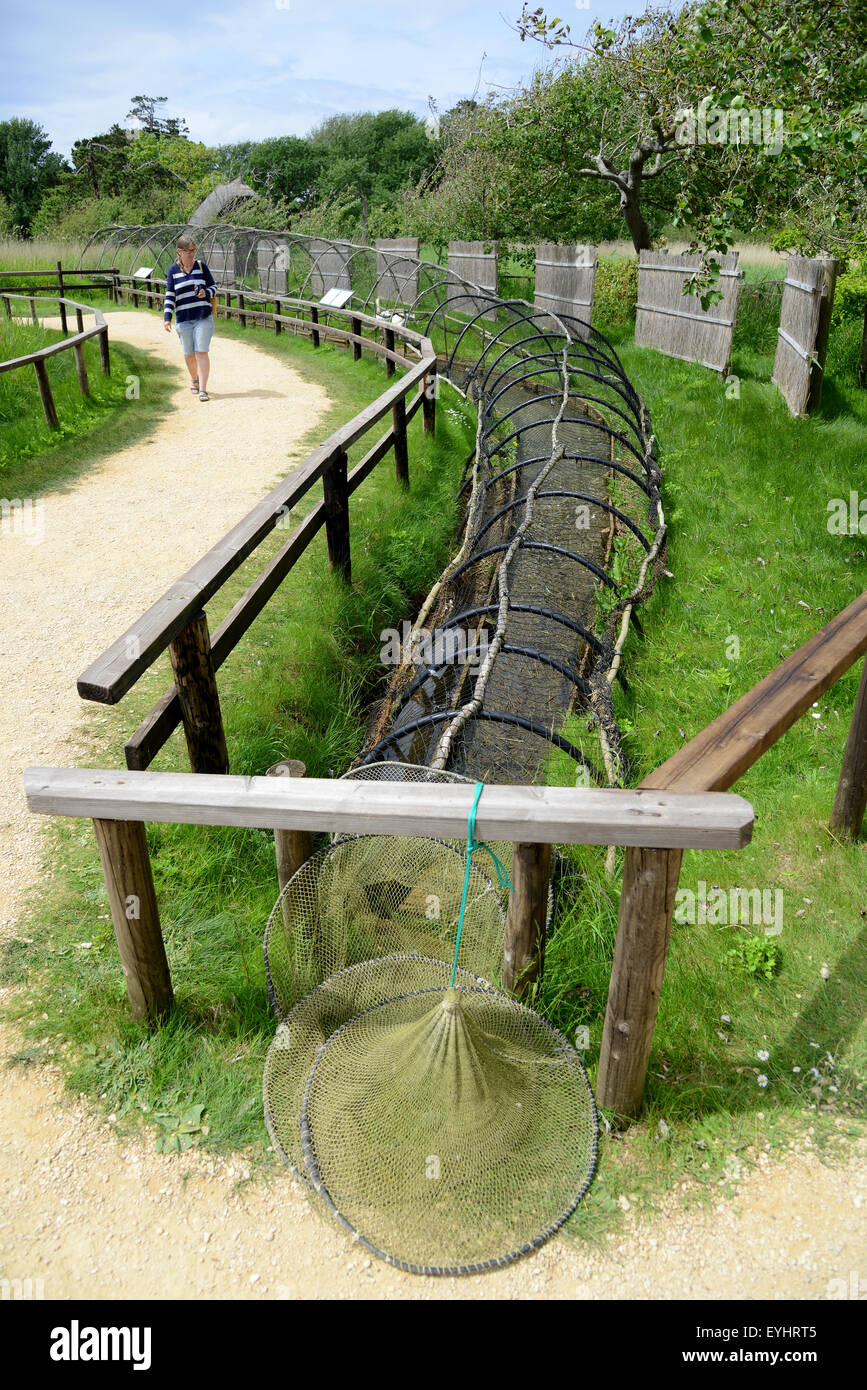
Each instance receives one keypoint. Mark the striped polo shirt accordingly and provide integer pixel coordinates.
(182, 290)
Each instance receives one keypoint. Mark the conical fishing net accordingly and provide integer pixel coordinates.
(319, 1014)
(450, 1131)
(374, 895)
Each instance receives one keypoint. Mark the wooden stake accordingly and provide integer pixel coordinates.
(33, 311)
(193, 665)
(278, 309)
(291, 847)
(401, 453)
(104, 358)
(126, 867)
(81, 368)
(336, 501)
(429, 403)
(389, 343)
(48, 407)
(524, 949)
(355, 324)
(79, 319)
(60, 290)
(650, 878)
(314, 318)
(242, 316)
(850, 802)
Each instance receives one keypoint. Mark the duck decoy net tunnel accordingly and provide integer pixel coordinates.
(563, 531)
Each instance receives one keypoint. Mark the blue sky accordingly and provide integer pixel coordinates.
(248, 69)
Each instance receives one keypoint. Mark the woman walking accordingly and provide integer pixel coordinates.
(191, 296)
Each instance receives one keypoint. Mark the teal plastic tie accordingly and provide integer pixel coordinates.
(472, 845)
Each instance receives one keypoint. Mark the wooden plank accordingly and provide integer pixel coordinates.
(63, 324)
(108, 678)
(850, 803)
(195, 682)
(722, 752)
(524, 946)
(650, 878)
(830, 266)
(127, 870)
(521, 814)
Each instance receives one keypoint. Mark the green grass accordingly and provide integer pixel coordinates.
(746, 490)
(298, 686)
(34, 457)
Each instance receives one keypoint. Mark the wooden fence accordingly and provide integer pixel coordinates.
(565, 280)
(397, 265)
(802, 337)
(675, 323)
(176, 621)
(74, 344)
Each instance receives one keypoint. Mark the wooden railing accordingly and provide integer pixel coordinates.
(120, 802)
(713, 761)
(76, 343)
(176, 621)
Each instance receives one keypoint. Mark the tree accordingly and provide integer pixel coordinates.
(144, 109)
(371, 155)
(285, 169)
(28, 168)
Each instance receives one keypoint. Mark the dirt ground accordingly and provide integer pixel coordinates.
(94, 1215)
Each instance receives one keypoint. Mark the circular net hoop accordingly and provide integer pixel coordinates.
(372, 895)
(314, 1018)
(450, 1131)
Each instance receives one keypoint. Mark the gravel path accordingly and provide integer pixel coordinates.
(95, 1215)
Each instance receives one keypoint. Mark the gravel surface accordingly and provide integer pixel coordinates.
(96, 1215)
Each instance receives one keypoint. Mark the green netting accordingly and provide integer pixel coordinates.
(450, 1131)
(319, 1014)
(371, 896)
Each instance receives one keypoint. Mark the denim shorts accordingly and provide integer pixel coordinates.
(196, 334)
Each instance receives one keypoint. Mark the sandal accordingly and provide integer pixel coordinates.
(203, 396)
(194, 386)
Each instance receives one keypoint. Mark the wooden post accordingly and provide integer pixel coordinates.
(850, 802)
(32, 303)
(429, 403)
(401, 454)
(48, 406)
(337, 514)
(115, 284)
(81, 368)
(60, 289)
(314, 318)
(524, 949)
(193, 665)
(650, 878)
(291, 847)
(228, 305)
(104, 358)
(826, 308)
(389, 343)
(79, 319)
(278, 309)
(356, 347)
(126, 867)
(242, 316)
(8, 303)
